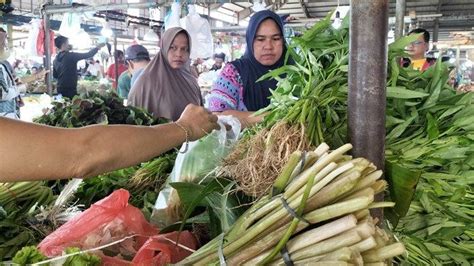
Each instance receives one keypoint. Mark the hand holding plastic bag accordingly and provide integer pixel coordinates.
(199, 160)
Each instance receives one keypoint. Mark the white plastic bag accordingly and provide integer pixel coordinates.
(200, 32)
(30, 45)
(201, 158)
(173, 19)
(70, 25)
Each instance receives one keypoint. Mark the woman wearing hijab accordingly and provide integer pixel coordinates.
(236, 91)
(167, 86)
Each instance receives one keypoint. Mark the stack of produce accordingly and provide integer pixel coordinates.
(27, 214)
(17, 202)
(430, 137)
(86, 86)
(94, 108)
(318, 213)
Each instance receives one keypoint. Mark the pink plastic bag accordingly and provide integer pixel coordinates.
(112, 219)
(108, 220)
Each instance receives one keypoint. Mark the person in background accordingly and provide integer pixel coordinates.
(121, 68)
(236, 91)
(124, 84)
(137, 58)
(219, 60)
(417, 51)
(197, 67)
(60, 153)
(65, 66)
(10, 100)
(167, 85)
(94, 69)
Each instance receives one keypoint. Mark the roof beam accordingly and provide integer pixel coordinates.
(305, 9)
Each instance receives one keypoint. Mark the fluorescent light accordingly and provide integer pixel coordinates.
(337, 21)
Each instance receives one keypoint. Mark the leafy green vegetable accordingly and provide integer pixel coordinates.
(429, 127)
(29, 255)
(82, 259)
(95, 108)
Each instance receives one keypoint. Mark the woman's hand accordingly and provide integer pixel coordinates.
(198, 121)
(247, 119)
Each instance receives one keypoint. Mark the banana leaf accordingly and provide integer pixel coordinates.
(402, 185)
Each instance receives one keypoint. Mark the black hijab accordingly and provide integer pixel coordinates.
(256, 93)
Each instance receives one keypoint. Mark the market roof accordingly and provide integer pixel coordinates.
(456, 17)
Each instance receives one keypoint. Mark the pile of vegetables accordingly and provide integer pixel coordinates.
(27, 214)
(31, 255)
(95, 108)
(19, 202)
(430, 137)
(318, 212)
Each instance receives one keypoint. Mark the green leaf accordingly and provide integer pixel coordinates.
(433, 131)
(403, 42)
(398, 130)
(193, 195)
(451, 153)
(224, 207)
(402, 183)
(450, 111)
(402, 93)
(311, 35)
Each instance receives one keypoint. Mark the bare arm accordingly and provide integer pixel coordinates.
(33, 152)
(247, 119)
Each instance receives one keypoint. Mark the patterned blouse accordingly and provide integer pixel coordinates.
(227, 92)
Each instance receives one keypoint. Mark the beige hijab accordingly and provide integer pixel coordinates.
(162, 90)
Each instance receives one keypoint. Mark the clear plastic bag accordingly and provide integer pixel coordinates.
(173, 19)
(200, 31)
(200, 159)
(70, 25)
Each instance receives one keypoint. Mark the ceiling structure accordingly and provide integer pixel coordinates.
(455, 17)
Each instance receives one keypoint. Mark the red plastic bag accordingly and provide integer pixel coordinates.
(170, 252)
(108, 220)
(113, 219)
(40, 41)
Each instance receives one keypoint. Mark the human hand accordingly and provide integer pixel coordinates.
(41, 74)
(247, 119)
(198, 121)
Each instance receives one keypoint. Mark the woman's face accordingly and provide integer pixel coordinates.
(178, 54)
(268, 43)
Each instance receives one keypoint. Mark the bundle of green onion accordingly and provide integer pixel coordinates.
(318, 212)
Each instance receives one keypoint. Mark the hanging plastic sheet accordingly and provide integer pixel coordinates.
(200, 32)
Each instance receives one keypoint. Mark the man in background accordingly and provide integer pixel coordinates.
(65, 66)
(137, 58)
(219, 60)
(417, 51)
(121, 68)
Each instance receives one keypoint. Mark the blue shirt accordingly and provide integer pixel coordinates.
(136, 75)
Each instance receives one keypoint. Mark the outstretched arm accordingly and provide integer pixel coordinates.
(34, 152)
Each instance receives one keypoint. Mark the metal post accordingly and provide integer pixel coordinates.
(400, 18)
(458, 57)
(116, 70)
(10, 36)
(47, 54)
(436, 27)
(367, 80)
